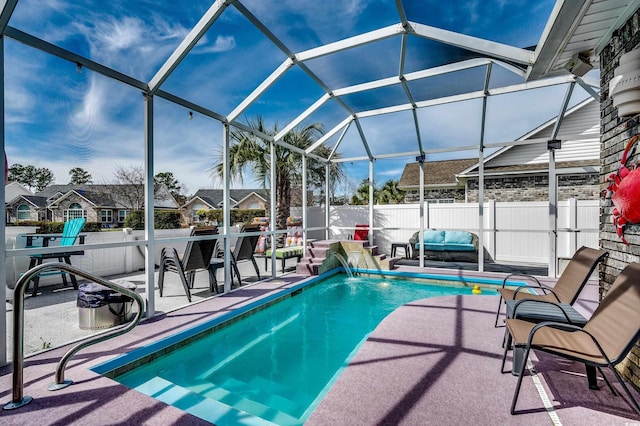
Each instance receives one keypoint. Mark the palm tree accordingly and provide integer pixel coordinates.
(390, 194)
(249, 151)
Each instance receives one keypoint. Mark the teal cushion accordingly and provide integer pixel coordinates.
(457, 237)
(459, 247)
(431, 236)
(435, 247)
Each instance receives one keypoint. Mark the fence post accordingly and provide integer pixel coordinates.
(573, 225)
(491, 228)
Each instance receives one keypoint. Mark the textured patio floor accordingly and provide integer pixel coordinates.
(433, 361)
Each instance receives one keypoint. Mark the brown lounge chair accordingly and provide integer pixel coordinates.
(567, 288)
(605, 340)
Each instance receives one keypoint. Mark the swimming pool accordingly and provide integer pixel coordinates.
(276, 364)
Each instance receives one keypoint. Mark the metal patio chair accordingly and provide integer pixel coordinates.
(196, 257)
(604, 341)
(244, 249)
(567, 288)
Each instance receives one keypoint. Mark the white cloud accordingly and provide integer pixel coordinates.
(220, 44)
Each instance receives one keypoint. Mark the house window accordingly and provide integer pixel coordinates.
(122, 215)
(75, 211)
(106, 216)
(24, 212)
(194, 212)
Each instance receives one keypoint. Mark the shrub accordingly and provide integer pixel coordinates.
(162, 220)
(134, 220)
(237, 216)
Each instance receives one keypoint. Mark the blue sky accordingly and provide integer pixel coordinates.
(59, 118)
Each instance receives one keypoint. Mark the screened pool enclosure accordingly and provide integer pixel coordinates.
(163, 86)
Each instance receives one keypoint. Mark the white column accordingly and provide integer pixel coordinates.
(371, 187)
(149, 234)
(304, 205)
(421, 201)
(3, 234)
(272, 214)
(327, 198)
(226, 207)
(553, 213)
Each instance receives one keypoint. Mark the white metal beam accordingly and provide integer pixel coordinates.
(363, 138)
(67, 55)
(347, 43)
(329, 134)
(317, 104)
(474, 44)
(190, 105)
(385, 110)
(335, 147)
(187, 44)
(258, 91)
(417, 75)
(587, 88)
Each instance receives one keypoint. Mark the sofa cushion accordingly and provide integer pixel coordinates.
(435, 247)
(433, 236)
(459, 247)
(457, 237)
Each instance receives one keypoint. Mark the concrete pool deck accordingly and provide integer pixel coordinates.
(431, 361)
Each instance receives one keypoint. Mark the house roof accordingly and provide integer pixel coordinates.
(102, 195)
(214, 197)
(34, 200)
(436, 173)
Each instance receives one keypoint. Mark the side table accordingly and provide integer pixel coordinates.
(403, 246)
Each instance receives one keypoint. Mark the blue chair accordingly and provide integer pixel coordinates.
(70, 234)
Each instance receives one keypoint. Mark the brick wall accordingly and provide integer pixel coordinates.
(616, 131)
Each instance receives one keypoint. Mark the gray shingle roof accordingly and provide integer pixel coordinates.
(435, 172)
(214, 197)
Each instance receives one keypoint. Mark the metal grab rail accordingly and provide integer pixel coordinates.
(18, 399)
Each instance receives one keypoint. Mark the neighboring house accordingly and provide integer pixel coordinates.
(108, 204)
(212, 199)
(440, 182)
(521, 172)
(13, 189)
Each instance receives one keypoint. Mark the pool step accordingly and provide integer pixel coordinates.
(359, 254)
(208, 409)
(246, 397)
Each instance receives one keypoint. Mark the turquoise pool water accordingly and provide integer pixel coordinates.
(278, 363)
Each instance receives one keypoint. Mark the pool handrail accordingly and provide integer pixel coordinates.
(18, 397)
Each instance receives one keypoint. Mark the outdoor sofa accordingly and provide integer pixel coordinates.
(446, 245)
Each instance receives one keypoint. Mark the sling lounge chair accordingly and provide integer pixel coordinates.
(196, 257)
(567, 288)
(605, 340)
(217, 262)
(245, 248)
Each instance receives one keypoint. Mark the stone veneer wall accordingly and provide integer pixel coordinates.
(535, 188)
(616, 131)
(413, 196)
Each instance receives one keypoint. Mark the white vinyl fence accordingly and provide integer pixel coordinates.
(513, 231)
